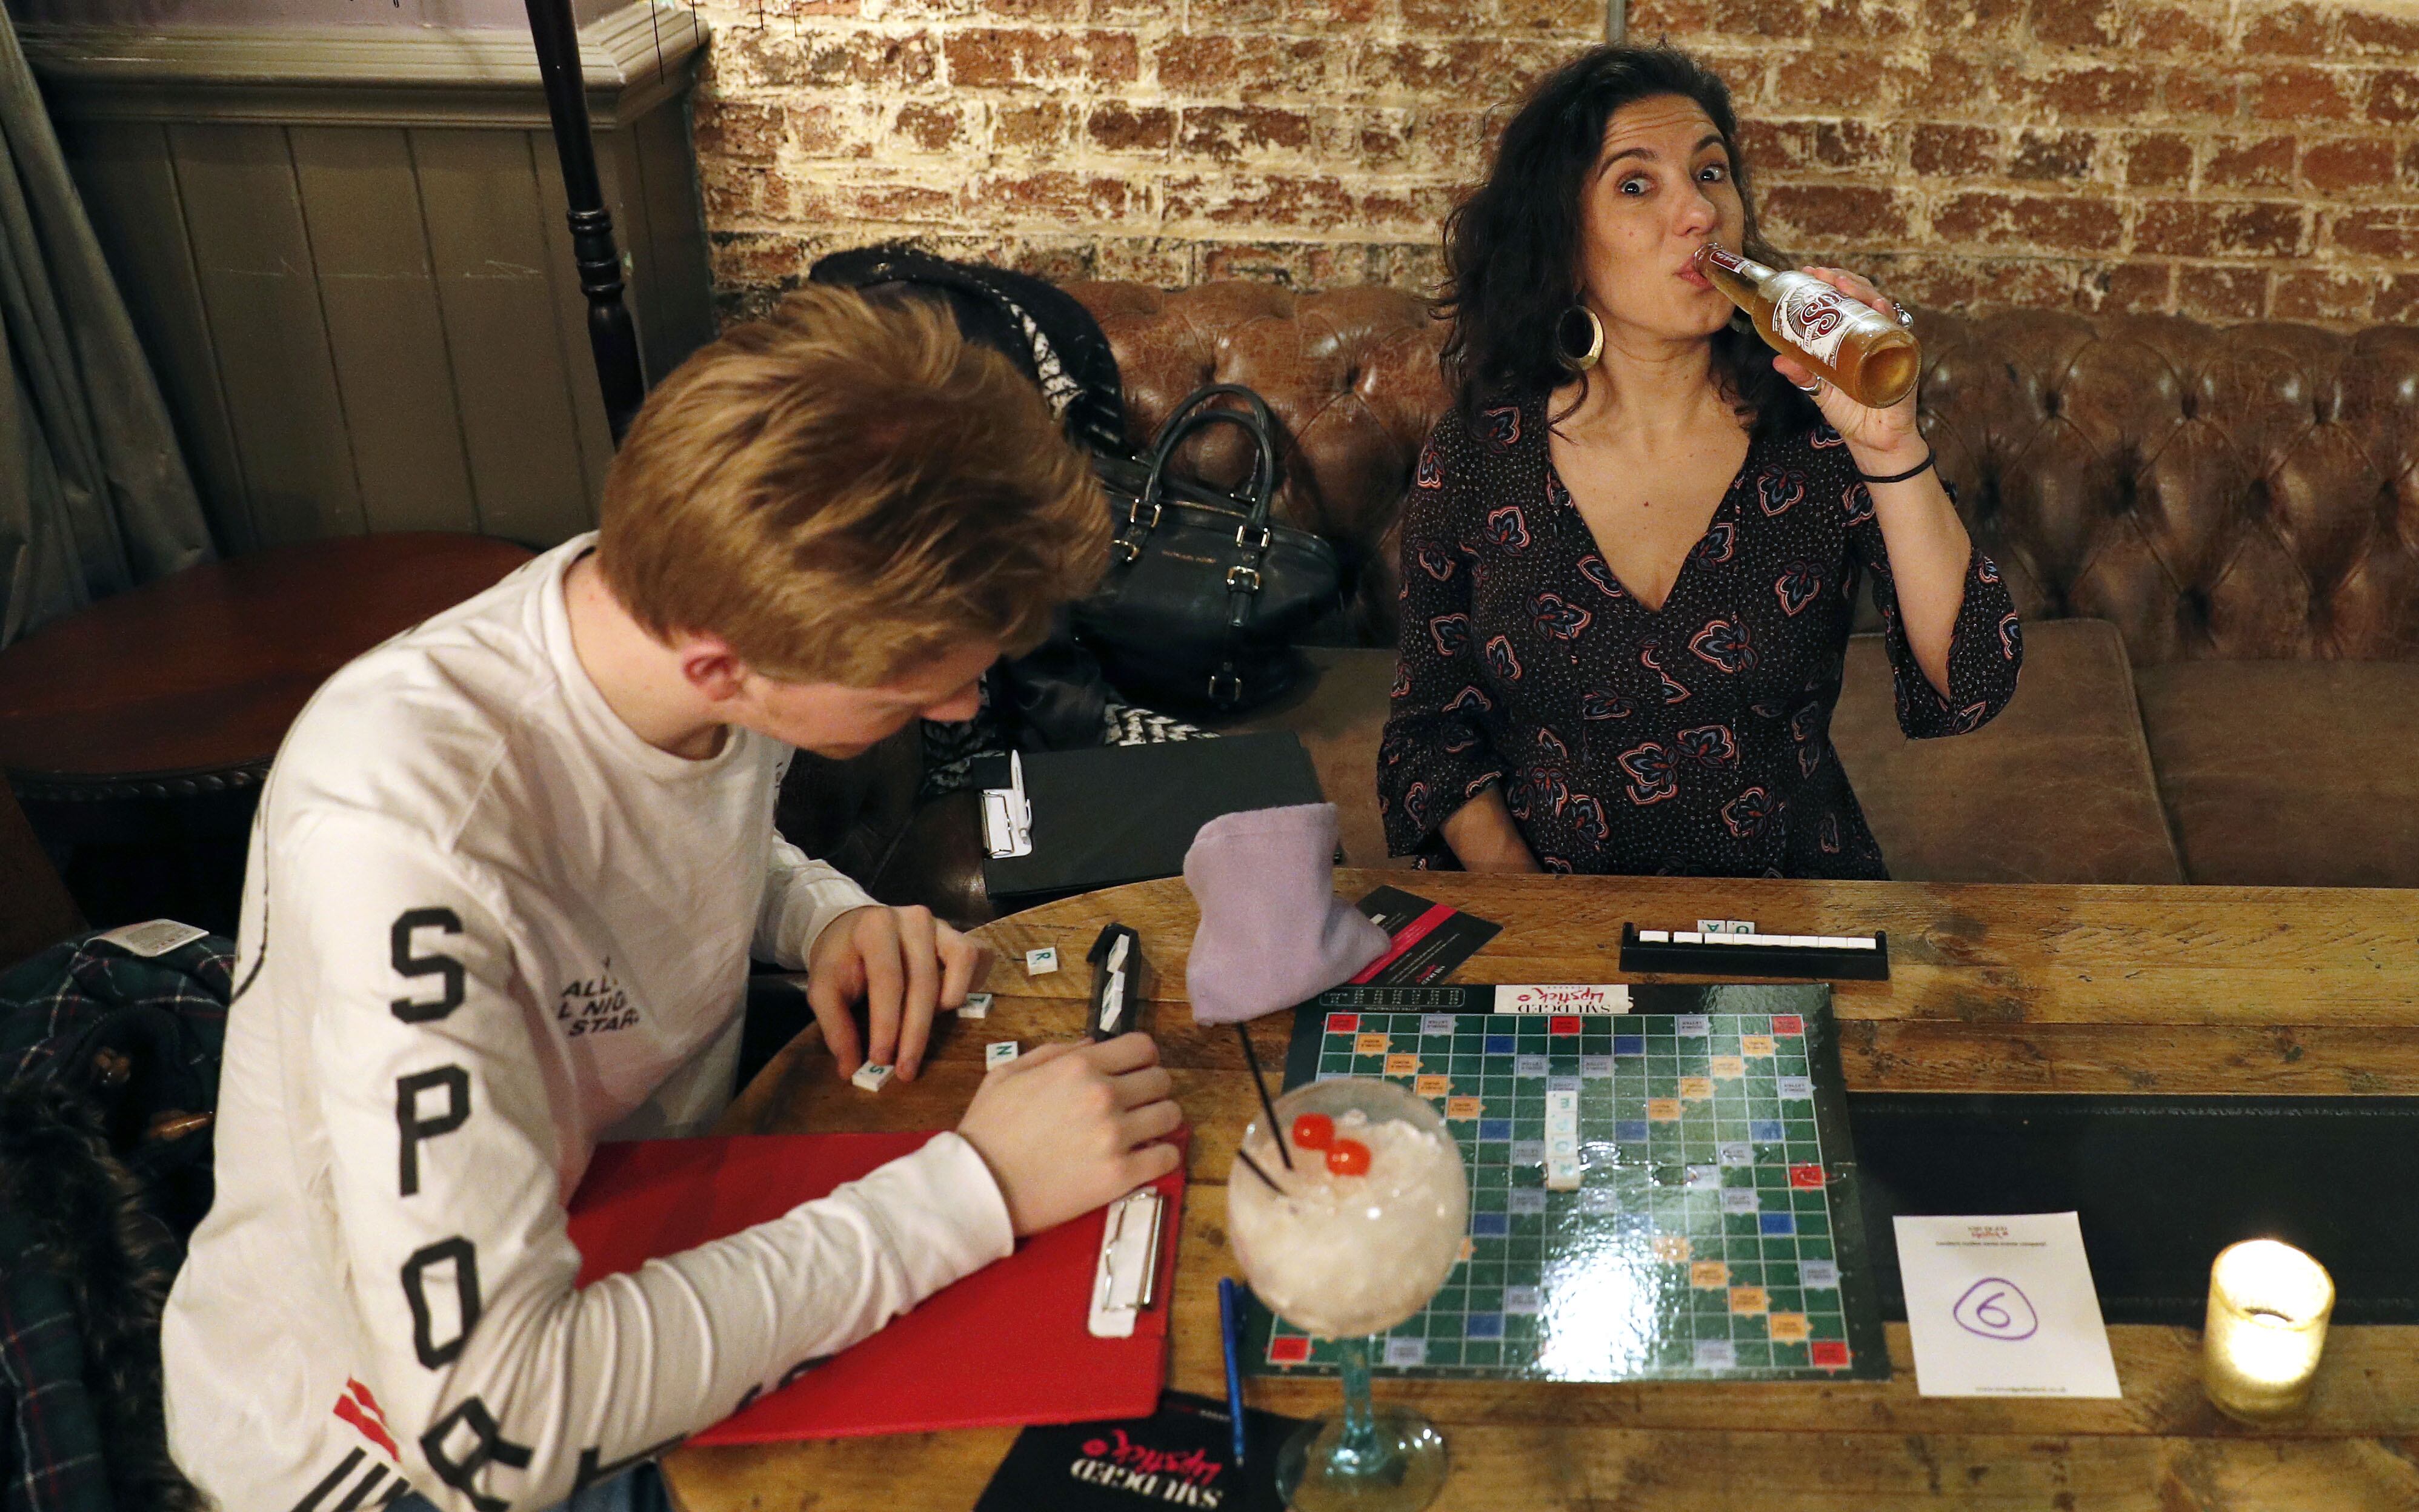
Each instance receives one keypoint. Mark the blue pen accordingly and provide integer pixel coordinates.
(1229, 1331)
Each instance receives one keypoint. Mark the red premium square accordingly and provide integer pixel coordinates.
(1788, 1024)
(1830, 1355)
(1295, 1351)
(1343, 1023)
(1562, 1024)
(1809, 1176)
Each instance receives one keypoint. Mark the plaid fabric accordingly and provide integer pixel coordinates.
(52, 1009)
(48, 1003)
(53, 1451)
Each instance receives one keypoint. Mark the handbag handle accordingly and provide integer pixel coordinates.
(1191, 415)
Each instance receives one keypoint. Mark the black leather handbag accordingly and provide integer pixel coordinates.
(1205, 594)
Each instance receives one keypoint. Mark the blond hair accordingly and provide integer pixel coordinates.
(846, 489)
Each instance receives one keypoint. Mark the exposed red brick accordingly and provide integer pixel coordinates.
(2316, 293)
(1067, 196)
(1122, 128)
(2159, 159)
(1866, 21)
(2374, 34)
(2235, 162)
(834, 131)
(2048, 222)
(1033, 10)
(1777, 146)
(2392, 233)
(1759, 17)
(2398, 299)
(881, 201)
(1954, 151)
(2201, 93)
(2078, 23)
(1253, 67)
(2118, 93)
(2053, 155)
(1833, 210)
(2300, 30)
(2199, 228)
(2294, 92)
(1936, 83)
(1465, 69)
(2135, 288)
(1559, 19)
(1838, 79)
(992, 57)
(1244, 199)
(738, 130)
(1650, 19)
(1029, 123)
(2174, 29)
(1855, 145)
(824, 58)
(2222, 293)
(1222, 15)
(2352, 164)
(1228, 132)
(1955, 20)
(2394, 96)
(932, 127)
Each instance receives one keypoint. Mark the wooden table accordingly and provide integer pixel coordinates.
(2129, 989)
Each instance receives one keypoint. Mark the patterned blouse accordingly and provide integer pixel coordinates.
(1689, 740)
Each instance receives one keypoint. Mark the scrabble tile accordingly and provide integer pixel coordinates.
(870, 1076)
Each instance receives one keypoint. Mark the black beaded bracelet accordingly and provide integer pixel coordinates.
(1916, 470)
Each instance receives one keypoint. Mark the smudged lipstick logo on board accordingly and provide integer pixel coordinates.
(1120, 1463)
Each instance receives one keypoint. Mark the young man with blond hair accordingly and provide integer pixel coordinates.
(503, 889)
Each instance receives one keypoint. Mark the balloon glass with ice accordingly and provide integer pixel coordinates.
(1351, 1239)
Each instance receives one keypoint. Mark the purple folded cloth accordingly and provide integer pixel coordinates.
(1273, 932)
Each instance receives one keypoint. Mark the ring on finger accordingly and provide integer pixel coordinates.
(1905, 316)
(1814, 388)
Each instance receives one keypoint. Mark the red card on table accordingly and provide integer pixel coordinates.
(1007, 1344)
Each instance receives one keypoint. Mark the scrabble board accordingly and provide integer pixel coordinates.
(1714, 1232)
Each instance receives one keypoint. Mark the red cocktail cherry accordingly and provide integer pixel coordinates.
(1312, 1131)
(1348, 1157)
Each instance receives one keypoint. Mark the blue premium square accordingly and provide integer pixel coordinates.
(1489, 1225)
(1484, 1325)
(1495, 1128)
(1766, 1128)
(1629, 1045)
(1777, 1223)
(1629, 1130)
(1498, 1044)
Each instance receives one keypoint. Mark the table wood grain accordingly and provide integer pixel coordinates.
(2032, 988)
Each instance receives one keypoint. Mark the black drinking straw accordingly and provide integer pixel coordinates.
(1247, 1160)
(1253, 1061)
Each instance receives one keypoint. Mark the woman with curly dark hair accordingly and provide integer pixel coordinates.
(1632, 548)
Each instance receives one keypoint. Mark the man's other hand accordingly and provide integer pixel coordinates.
(903, 965)
(1071, 1126)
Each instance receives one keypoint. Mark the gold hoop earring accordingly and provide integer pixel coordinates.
(1574, 356)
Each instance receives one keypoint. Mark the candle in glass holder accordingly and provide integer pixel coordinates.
(2267, 1308)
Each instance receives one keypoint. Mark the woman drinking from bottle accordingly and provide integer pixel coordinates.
(1632, 549)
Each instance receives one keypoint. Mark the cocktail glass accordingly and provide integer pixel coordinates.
(1345, 1256)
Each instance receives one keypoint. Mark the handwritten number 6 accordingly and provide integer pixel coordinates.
(406, 962)
(1991, 1312)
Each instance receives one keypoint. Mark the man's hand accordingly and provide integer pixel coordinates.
(1069, 1126)
(903, 965)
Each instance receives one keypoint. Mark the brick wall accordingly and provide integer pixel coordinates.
(2230, 158)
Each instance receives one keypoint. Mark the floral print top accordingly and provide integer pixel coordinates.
(1688, 739)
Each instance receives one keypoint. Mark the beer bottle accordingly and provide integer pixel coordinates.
(1865, 354)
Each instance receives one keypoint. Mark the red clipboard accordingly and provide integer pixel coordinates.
(1009, 1345)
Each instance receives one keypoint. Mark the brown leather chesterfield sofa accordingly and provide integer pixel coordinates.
(2213, 534)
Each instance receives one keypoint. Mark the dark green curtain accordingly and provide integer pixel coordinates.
(94, 496)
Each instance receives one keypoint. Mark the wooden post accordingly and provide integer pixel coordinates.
(610, 335)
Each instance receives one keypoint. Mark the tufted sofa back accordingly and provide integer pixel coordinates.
(2247, 492)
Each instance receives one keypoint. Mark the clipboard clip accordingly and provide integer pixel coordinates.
(1008, 818)
(1126, 1280)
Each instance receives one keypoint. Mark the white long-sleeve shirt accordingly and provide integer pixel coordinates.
(484, 924)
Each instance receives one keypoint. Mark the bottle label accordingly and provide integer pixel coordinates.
(1814, 319)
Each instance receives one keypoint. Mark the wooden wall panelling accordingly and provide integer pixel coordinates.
(130, 193)
(369, 245)
(683, 279)
(494, 274)
(243, 214)
(571, 307)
